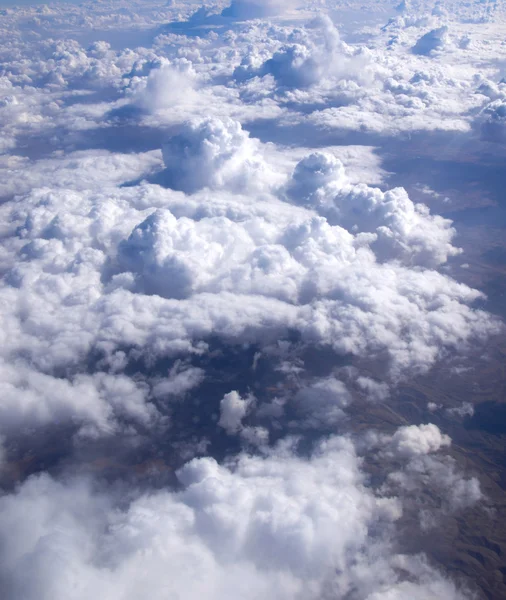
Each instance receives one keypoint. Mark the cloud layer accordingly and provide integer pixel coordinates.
(280, 526)
(206, 302)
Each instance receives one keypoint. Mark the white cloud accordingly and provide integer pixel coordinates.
(493, 121)
(213, 153)
(313, 55)
(439, 477)
(166, 86)
(428, 481)
(280, 526)
(401, 229)
(181, 379)
(127, 288)
(374, 390)
(413, 440)
(436, 39)
(99, 403)
(233, 409)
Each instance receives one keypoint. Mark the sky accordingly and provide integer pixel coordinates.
(14, 3)
(232, 249)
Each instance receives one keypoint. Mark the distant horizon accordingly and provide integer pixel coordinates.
(12, 3)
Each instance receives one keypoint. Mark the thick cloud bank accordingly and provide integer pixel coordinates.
(278, 526)
(207, 305)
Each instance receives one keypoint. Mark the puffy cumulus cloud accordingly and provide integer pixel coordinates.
(302, 276)
(432, 41)
(166, 86)
(93, 271)
(233, 409)
(86, 257)
(415, 440)
(134, 298)
(384, 88)
(411, 330)
(98, 404)
(315, 53)
(492, 90)
(493, 121)
(401, 229)
(315, 171)
(161, 252)
(83, 171)
(213, 153)
(279, 526)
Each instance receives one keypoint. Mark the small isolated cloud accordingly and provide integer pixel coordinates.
(439, 479)
(180, 380)
(466, 409)
(233, 409)
(416, 440)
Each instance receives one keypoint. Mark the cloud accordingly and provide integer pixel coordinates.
(466, 409)
(374, 390)
(317, 54)
(279, 526)
(438, 477)
(181, 379)
(415, 440)
(141, 284)
(436, 39)
(84, 170)
(321, 405)
(287, 268)
(429, 483)
(401, 229)
(493, 121)
(97, 278)
(212, 153)
(99, 404)
(166, 86)
(233, 409)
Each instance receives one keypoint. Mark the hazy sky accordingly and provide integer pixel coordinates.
(31, 2)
